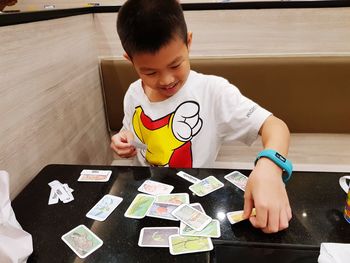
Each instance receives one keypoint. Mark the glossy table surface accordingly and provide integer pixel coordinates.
(316, 198)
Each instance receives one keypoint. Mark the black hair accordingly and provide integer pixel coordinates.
(148, 25)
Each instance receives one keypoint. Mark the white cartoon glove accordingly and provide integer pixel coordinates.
(186, 121)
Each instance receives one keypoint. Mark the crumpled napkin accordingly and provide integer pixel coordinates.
(334, 253)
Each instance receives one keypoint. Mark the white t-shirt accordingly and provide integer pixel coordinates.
(187, 129)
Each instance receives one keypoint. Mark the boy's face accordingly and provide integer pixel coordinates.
(164, 73)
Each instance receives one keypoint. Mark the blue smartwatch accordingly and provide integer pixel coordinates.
(279, 160)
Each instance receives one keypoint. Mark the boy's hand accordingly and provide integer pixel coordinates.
(266, 192)
(120, 144)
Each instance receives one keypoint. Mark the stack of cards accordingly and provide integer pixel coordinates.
(60, 192)
(238, 179)
(95, 175)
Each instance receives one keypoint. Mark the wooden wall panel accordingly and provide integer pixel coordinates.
(264, 32)
(51, 106)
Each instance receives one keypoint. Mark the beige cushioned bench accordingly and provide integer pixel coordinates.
(311, 94)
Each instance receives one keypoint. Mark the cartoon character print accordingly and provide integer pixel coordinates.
(168, 139)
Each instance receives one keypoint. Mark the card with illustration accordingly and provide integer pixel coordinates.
(104, 207)
(94, 175)
(237, 216)
(238, 179)
(163, 211)
(156, 236)
(175, 199)
(192, 217)
(211, 230)
(155, 188)
(140, 206)
(206, 186)
(82, 241)
(188, 244)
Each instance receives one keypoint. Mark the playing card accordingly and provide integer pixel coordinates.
(95, 175)
(188, 244)
(237, 216)
(175, 199)
(161, 210)
(53, 198)
(156, 236)
(82, 241)
(140, 206)
(63, 192)
(206, 186)
(104, 207)
(188, 177)
(198, 206)
(155, 188)
(211, 230)
(192, 217)
(139, 145)
(238, 179)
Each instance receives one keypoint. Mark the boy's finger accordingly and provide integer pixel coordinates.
(248, 207)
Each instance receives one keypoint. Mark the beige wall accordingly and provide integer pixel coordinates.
(263, 32)
(51, 107)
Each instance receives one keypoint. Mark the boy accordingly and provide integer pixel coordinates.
(183, 116)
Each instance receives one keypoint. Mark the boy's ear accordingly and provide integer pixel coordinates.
(189, 39)
(126, 56)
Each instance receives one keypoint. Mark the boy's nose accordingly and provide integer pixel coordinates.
(166, 79)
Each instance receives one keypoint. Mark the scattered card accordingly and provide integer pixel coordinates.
(206, 186)
(188, 177)
(139, 145)
(211, 230)
(82, 241)
(238, 179)
(198, 206)
(60, 191)
(192, 217)
(140, 206)
(95, 175)
(163, 211)
(188, 244)
(104, 207)
(175, 199)
(156, 236)
(237, 216)
(155, 188)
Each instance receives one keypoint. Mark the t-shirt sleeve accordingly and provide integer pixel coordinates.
(237, 117)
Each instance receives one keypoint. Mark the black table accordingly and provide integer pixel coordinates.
(316, 199)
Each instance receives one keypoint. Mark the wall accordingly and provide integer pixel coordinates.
(51, 107)
(263, 32)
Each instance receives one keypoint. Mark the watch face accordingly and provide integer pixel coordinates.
(280, 157)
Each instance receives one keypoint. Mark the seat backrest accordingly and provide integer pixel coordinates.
(311, 94)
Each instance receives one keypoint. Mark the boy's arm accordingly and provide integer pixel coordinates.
(265, 189)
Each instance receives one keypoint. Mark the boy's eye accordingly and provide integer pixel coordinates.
(150, 73)
(175, 66)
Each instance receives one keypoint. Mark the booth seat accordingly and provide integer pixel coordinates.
(311, 94)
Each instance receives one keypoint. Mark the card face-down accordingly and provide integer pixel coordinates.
(206, 186)
(156, 236)
(175, 199)
(140, 206)
(94, 175)
(189, 244)
(188, 177)
(238, 179)
(155, 188)
(82, 241)
(192, 217)
(163, 211)
(104, 207)
(237, 216)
